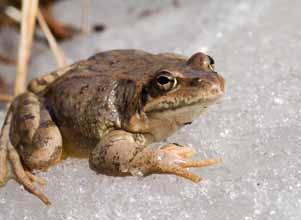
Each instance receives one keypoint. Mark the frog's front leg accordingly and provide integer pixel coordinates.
(121, 153)
(29, 140)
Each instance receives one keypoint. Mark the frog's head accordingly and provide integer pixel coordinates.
(180, 90)
(191, 83)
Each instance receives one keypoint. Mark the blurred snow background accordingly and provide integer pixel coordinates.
(256, 128)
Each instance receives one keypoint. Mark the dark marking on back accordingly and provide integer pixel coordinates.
(29, 102)
(47, 124)
(55, 74)
(83, 88)
(42, 81)
(26, 117)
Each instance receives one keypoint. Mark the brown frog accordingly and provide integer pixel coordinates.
(109, 108)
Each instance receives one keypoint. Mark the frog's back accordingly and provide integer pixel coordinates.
(118, 64)
(88, 100)
(130, 64)
(135, 65)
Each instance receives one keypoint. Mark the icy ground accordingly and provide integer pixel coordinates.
(256, 129)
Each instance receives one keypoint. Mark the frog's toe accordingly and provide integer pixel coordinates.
(173, 159)
(4, 171)
(200, 163)
(35, 179)
(179, 171)
(179, 150)
(3, 166)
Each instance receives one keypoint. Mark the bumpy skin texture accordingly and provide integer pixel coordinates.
(109, 108)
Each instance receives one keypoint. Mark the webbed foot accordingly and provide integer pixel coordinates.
(175, 161)
(172, 159)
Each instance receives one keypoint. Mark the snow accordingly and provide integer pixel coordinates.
(255, 128)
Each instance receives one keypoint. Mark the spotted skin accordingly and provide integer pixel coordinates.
(40, 84)
(33, 132)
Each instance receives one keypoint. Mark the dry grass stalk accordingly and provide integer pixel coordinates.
(13, 13)
(85, 27)
(58, 53)
(29, 11)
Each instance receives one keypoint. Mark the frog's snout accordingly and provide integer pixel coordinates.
(212, 83)
(222, 83)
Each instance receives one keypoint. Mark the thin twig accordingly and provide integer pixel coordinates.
(29, 10)
(58, 53)
(61, 59)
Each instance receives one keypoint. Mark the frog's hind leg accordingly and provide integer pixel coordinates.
(29, 139)
(24, 177)
(34, 134)
(9, 156)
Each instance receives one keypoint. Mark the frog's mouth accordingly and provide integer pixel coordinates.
(201, 104)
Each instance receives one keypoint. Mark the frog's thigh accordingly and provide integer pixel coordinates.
(34, 134)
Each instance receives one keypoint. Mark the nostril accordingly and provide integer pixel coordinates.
(200, 83)
(222, 83)
(204, 83)
(195, 82)
(215, 89)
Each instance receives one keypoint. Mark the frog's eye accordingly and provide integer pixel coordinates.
(211, 60)
(211, 63)
(165, 81)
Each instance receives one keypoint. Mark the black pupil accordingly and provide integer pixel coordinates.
(211, 60)
(163, 80)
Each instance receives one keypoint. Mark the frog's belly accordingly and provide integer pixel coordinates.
(76, 145)
(75, 150)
